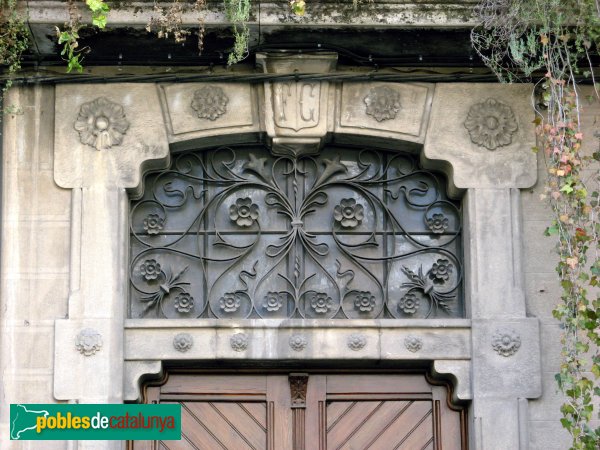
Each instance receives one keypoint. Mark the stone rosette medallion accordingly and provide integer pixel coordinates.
(101, 124)
(506, 341)
(239, 342)
(210, 102)
(356, 342)
(491, 124)
(413, 344)
(183, 342)
(88, 342)
(298, 342)
(383, 103)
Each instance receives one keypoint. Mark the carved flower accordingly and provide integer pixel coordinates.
(438, 223)
(273, 301)
(364, 301)
(244, 212)
(320, 302)
(409, 303)
(298, 342)
(230, 302)
(383, 103)
(88, 341)
(210, 102)
(183, 342)
(239, 342)
(413, 343)
(184, 302)
(356, 341)
(348, 213)
(440, 271)
(153, 223)
(150, 269)
(506, 341)
(101, 124)
(491, 124)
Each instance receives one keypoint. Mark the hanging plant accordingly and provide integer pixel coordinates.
(517, 39)
(13, 42)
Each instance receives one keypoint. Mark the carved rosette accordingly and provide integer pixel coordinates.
(88, 341)
(413, 343)
(210, 102)
(491, 124)
(506, 341)
(298, 342)
(383, 103)
(239, 342)
(183, 342)
(101, 124)
(356, 342)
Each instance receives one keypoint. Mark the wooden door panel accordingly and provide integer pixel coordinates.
(340, 412)
(381, 424)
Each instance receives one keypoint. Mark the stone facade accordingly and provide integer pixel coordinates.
(71, 160)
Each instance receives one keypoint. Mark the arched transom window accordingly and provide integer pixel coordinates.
(345, 234)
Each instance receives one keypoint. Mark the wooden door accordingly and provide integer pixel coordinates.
(309, 412)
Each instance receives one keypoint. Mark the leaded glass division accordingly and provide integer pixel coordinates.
(243, 233)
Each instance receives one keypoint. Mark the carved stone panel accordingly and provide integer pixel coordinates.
(236, 233)
(400, 110)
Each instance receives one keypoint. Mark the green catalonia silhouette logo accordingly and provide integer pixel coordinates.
(95, 422)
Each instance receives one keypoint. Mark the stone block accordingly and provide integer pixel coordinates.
(506, 359)
(387, 110)
(547, 407)
(539, 254)
(32, 298)
(485, 132)
(107, 134)
(195, 110)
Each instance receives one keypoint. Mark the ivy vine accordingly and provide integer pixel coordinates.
(516, 39)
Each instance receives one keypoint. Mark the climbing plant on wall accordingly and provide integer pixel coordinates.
(518, 39)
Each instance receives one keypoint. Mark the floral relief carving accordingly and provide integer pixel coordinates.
(438, 223)
(239, 342)
(298, 342)
(274, 301)
(491, 124)
(153, 223)
(101, 124)
(313, 237)
(183, 342)
(88, 341)
(244, 212)
(150, 269)
(348, 213)
(320, 302)
(413, 343)
(364, 301)
(230, 302)
(383, 103)
(506, 341)
(210, 102)
(184, 302)
(356, 342)
(409, 303)
(440, 271)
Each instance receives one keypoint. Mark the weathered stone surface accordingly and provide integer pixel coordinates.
(240, 112)
(144, 142)
(406, 121)
(474, 165)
